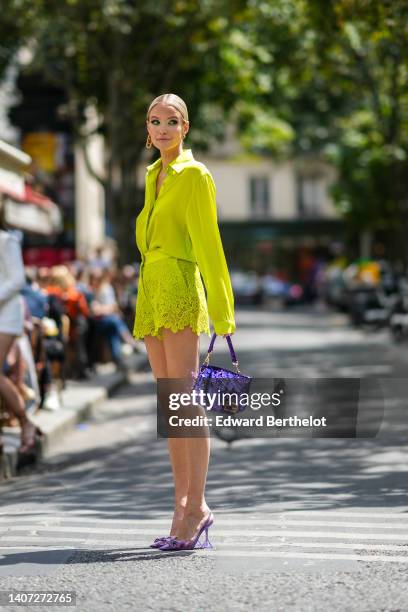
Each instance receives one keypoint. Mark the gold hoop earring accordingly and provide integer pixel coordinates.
(148, 142)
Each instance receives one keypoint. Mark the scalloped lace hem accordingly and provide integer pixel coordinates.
(158, 332)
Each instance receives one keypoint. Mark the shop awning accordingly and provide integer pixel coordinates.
(13, 164)
(32, 212)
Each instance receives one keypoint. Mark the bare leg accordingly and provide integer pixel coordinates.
(177, 447)
(19, 367)
(10, 394)
(182, 357)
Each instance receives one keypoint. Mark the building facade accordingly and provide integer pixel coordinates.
(272, 215)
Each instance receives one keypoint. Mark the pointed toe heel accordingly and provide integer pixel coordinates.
(159, 542)
(170, 544)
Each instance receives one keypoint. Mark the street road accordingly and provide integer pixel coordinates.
(300, 524)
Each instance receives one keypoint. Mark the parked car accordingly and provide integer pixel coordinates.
(281, 293)
(273, 287)
(247, 287)
(334, 288)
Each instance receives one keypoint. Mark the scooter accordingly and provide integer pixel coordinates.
(378, 313)
(398, 322)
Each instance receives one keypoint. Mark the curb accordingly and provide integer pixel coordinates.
(79, 400)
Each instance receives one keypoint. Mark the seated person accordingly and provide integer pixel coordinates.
(108, 321)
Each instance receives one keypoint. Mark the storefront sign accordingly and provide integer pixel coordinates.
(42, 147)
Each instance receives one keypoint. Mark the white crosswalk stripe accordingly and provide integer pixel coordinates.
(300, 535)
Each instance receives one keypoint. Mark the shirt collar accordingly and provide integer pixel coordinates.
(178, 164)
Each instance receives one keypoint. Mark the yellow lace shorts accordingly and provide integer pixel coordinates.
(170, 294)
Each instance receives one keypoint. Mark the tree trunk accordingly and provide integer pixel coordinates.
(366, 239)
(126, 211)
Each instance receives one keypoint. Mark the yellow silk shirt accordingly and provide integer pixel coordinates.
(182, 223)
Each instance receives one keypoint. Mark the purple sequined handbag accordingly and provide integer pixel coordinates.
(219, 381)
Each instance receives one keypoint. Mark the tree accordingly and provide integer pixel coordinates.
(321, 77)
(337, 74)
(365, 53)
(348, 73)
(10, 35)
(117, 55)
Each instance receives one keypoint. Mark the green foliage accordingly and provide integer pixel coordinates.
(339, 77)
(117, 55)
(11, 25)
(297, 76)
(365, 55)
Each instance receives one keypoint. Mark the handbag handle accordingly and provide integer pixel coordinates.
(231, 350)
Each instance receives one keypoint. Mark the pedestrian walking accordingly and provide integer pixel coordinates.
(12, 280)
(178, 237)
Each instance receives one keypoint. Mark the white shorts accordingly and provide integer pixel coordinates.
(12, 316)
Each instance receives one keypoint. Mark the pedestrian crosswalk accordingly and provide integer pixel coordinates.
(303, 536)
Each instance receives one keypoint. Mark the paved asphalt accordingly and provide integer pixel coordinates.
(300, 524)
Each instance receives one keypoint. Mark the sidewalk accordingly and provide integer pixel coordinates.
(79, 400)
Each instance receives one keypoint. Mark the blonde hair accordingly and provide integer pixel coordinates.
(172, 100)
(62, 277)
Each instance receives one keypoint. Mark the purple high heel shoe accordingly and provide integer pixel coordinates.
(175, 544)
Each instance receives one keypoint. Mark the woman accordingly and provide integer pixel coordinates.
(12, 279)
(178, 237)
